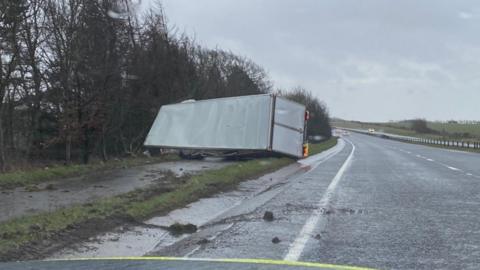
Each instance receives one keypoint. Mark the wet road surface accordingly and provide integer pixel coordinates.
(376, 203)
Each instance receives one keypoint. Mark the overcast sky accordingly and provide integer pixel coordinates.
(367, 60)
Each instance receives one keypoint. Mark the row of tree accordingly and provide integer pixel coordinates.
(87, 77)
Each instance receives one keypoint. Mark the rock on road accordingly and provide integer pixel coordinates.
(376, 203)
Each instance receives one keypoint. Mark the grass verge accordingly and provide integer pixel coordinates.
(37, 176)
(316, 148)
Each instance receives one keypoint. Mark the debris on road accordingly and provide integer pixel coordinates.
(268, 216)
(275, 240)
(203, 241)
(50, 187)
(178, 229)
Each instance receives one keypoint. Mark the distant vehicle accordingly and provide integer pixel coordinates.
(232, 126)
(371, 130)
(316, 138)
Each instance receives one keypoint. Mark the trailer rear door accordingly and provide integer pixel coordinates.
(288, 127)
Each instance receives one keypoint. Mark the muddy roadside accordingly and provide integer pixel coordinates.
(31, 177)
(38, 236)
(54, 195)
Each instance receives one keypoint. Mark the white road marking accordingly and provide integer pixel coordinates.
(296, 248)
(448, 166)
(469, 174)
(453, 168)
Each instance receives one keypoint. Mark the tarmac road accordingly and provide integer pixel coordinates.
(376, 203)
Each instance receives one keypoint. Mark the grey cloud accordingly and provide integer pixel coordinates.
(368, 60)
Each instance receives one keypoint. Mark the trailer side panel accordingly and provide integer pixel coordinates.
(225, 123)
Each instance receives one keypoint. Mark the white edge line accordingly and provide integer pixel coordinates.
(297, 247)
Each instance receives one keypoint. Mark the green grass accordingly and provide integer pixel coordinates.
(456, 128)
(315, 148)
(37, 176)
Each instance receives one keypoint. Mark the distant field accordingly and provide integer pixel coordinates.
(450, 130)
(472, 129)
(377, 126)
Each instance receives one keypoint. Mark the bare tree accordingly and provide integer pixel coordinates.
(10, 19)
(319, 122)
(82, 78)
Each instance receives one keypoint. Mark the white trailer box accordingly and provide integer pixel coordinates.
(254, 123)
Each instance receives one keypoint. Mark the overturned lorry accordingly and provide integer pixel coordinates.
(232, 126)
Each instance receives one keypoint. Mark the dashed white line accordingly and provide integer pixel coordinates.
(453, 168)
(445, 165)
(297, 247)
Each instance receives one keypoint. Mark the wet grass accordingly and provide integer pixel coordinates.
(456, 128)
(37, 176)
(316, 148)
